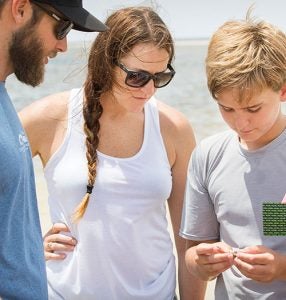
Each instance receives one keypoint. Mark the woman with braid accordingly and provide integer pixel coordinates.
(113, 156)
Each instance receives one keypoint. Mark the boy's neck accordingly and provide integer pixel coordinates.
(276, 130)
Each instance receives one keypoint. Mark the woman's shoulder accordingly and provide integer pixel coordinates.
(52, 106)
(176, 129)
(172, 119)
(46, 109)
(42, 120)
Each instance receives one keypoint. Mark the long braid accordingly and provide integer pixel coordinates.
(92, 111)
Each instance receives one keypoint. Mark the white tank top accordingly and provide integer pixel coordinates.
(124, 249)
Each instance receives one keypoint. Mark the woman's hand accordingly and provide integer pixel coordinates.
(56, 243)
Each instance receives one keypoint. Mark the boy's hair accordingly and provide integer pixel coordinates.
(248, 56)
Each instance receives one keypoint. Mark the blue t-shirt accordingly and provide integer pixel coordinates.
(22, 266)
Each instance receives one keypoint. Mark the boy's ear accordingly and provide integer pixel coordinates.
(283, 93)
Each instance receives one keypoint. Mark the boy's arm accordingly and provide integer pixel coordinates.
(197, 285)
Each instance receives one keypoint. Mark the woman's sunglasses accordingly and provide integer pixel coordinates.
(63, 27)
(138, 79)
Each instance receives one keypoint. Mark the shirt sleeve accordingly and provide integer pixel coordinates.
(199, 221)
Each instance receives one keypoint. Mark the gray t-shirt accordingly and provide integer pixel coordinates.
(226, 188)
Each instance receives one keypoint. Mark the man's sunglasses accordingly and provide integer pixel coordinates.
(63, 27)
(138, 79)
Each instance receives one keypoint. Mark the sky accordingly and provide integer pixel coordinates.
(191, 19)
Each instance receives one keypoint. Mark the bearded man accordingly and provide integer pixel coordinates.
(31, 32)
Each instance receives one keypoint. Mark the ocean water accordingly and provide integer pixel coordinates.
(187, 92)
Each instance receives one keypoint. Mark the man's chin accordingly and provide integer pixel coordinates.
(31, 80)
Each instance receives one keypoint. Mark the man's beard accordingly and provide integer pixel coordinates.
(27, 56)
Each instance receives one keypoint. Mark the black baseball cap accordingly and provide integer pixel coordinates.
(73, 11)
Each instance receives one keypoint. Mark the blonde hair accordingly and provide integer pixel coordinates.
(246, 55)
(128, 27)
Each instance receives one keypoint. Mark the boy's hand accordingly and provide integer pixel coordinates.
(212, 259)
(261, 264)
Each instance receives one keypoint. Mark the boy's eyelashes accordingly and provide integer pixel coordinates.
(248, 109)
(253, 110)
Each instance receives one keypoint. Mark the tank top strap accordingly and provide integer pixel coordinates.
(152, 128)
(153, 112)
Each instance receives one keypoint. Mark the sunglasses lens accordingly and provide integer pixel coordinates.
(63, 28)
(162, 79)
(140, 78)
(137, 79)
